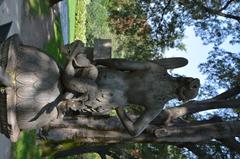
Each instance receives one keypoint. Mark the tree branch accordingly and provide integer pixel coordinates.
(194, 106)
(228, 16)
(191, 107)
(163, 13)
(199, 132)
(231, 143)
(196, 150)
(228, 94)
(108, 123)
(214, 11)
(218, 12)
(181, 133)
(226, 5)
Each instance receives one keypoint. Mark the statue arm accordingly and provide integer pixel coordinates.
(137, 127)
(171, 63)
(154, 65)
(126, 65)
(80, 85)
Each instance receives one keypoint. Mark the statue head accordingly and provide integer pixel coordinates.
(81, 60)
(68, 49)
(188, 88)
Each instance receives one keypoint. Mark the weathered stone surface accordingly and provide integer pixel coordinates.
(102, 49)
(96, 86)
(121, 82)
(35, 83)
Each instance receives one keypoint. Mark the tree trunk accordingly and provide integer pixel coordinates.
(97, 130)
(195, 132)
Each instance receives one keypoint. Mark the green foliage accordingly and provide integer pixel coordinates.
(80, 20)
(52, 47)
(216, 23)
(207, 17)
(135, 48)
(25, 147)
(215, 68)
(142, 19)
(213, 150)
(145, 150)
(38, 7)
(97, 21)
(98, 26)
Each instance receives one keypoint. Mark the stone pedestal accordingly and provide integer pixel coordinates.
(102, 49)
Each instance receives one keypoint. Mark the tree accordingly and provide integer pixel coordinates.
(222, 65)
(168, 19)
(140, 22)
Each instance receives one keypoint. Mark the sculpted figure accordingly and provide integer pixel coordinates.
(78, 78)
(34, 88)
(148, 84)
(79, 74)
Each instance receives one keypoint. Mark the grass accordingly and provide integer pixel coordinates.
(77, 19)
(52, 47)
(71, 19)
(80, 20)
(26, 147)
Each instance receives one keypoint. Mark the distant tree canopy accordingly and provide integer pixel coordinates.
(161, 24)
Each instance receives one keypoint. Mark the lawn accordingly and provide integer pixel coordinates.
(77, 22)
(71, 19)
(26, 147)
(52, 47)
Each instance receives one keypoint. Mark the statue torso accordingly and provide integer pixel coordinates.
(138, 87)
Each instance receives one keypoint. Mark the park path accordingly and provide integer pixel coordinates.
(33, 30)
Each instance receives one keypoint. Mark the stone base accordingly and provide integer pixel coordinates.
(8, 122)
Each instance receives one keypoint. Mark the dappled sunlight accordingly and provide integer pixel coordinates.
(38, 7)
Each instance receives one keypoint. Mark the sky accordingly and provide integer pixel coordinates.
(196, 53)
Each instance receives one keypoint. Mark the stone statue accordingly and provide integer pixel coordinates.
(121, 82)
(79, 74)
(38, 88)
(147, 84)
(34, 83)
